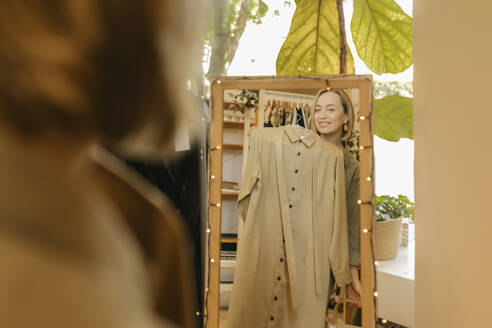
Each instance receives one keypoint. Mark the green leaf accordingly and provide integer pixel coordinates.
(382, 35)
(313, 43)
(394, 118)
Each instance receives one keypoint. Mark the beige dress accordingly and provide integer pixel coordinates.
(292, 202)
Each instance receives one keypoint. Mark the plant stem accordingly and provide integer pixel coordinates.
(343, 38)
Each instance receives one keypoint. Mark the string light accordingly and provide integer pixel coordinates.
(362, 118)
(376, 263)
(208, 230)
(359, 202)
(212, 177)
(376, 294)
(365, 231)
(219, 81)
(215, 148)
(384, 321)
(197, 314)
(212, 261)
(369, 179)
(365, 147)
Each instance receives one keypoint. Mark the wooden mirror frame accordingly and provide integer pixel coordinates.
(211, 309)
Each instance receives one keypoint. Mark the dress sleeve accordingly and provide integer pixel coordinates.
(353, 216)
(339, 252)
(251, 174)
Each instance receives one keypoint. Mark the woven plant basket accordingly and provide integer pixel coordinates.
(387, 238)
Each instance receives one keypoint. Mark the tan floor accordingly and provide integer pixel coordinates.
(223, 315)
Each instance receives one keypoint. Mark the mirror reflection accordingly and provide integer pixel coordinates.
(290, 246)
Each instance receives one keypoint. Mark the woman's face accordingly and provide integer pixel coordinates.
(328, 114)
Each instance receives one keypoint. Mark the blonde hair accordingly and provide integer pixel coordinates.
(104, 68)
(348, 108)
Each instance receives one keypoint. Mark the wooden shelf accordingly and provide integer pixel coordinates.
(232, 146)
(233, 124)
(230, 193)
(228, 239)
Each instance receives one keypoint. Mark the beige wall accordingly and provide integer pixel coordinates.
(453, 162)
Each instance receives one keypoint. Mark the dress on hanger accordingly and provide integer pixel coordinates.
(292, 203)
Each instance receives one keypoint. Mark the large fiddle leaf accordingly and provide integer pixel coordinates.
(393, 118)
(382, 34)
(313, 43)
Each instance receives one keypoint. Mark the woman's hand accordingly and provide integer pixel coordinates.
(354, 290)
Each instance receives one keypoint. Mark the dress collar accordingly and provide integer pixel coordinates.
(295, 134)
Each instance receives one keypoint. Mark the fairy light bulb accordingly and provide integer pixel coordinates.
(362, 118)
(212, 261)
(376, 294)
(212, 177)
(369, 179)
(365, 230)
(359, 202)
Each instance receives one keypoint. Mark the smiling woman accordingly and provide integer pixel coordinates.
(333, 120)
(333, 109)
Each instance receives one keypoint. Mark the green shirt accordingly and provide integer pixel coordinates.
(353, 211)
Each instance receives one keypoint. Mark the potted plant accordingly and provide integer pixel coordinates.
(390, 212)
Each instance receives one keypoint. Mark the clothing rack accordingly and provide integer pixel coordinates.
(287, 96)
(297, 100)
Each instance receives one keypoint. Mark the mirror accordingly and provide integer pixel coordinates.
(286, 207)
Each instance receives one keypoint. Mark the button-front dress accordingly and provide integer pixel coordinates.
(292, 204)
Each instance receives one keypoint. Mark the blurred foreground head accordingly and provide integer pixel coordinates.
(109, 70)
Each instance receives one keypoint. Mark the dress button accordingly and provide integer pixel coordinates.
(296, 171)
(293, 188)
(275, 298)
(281, 259)
(272, 318)
(290, 206)
(299, 154)
(279, 278)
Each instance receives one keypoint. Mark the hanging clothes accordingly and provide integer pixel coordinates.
(299, 117)
(292, 203)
